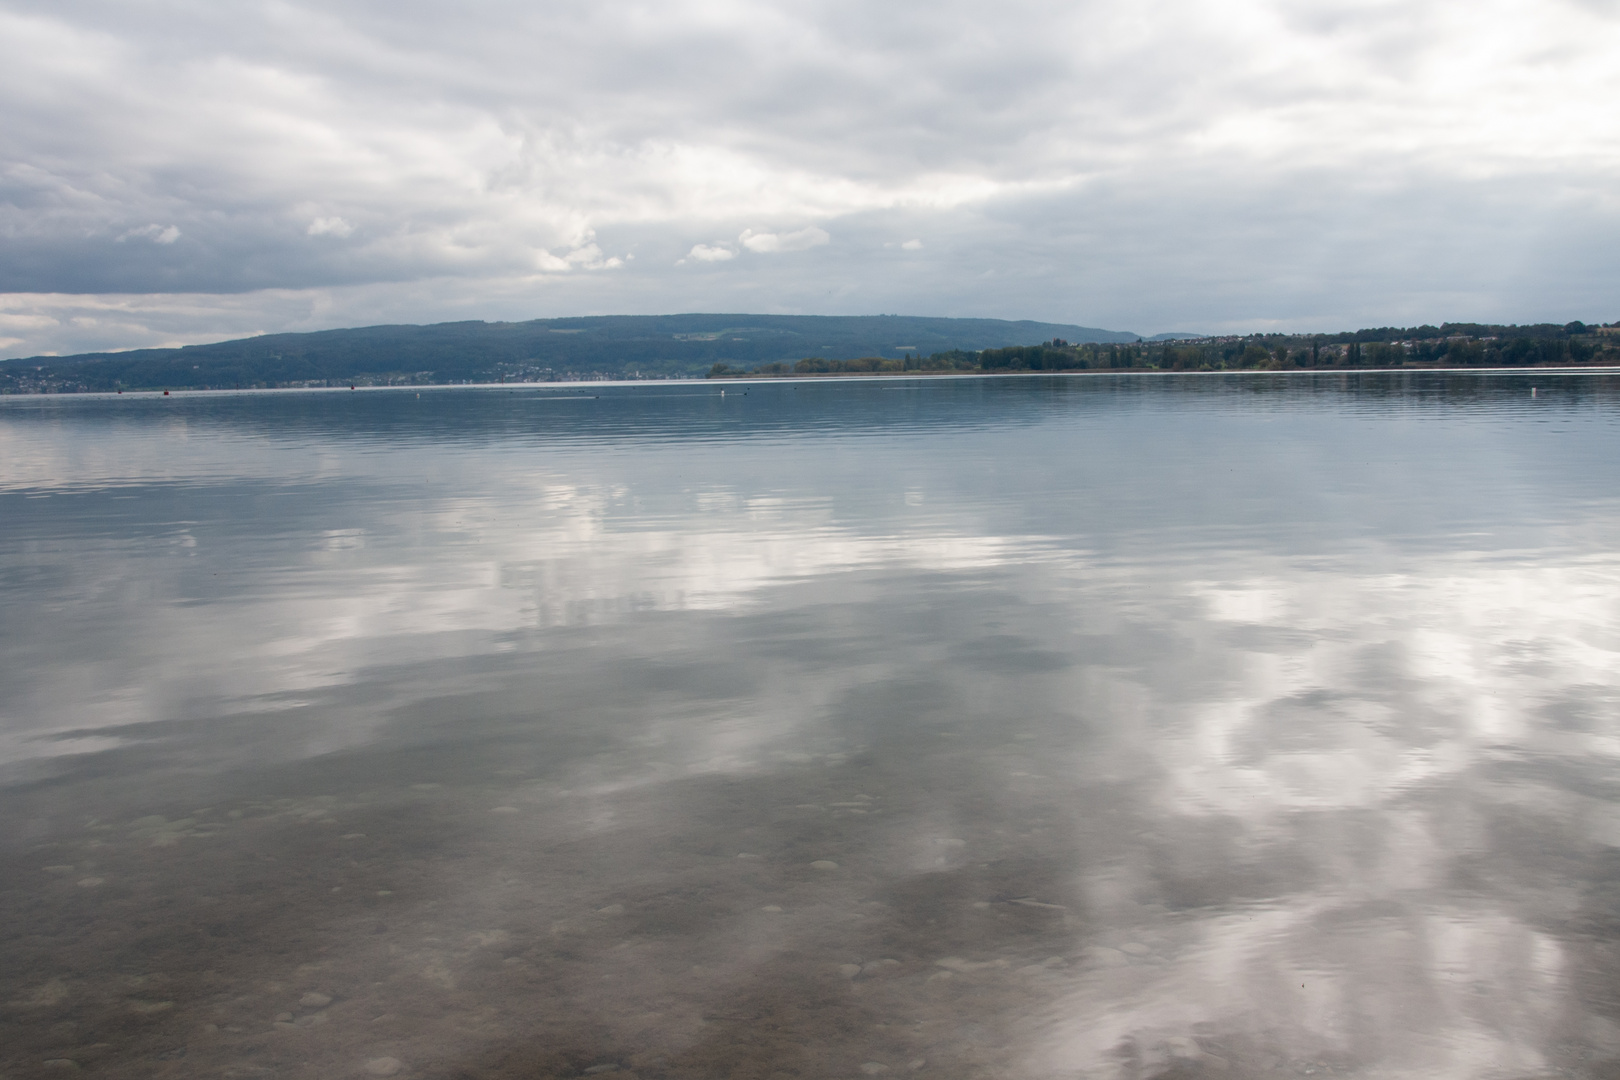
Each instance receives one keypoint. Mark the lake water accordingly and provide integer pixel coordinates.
(1020, 728)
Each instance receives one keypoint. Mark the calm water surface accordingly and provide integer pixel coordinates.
(1018, 728)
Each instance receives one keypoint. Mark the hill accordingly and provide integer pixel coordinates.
(613, 346)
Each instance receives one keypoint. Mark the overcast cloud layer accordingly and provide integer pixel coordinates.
(179, 171)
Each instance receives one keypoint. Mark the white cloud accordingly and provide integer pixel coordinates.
(158, 234)
(590, 257)
(912, 245)
(801, 240)
(330, 226)
(583, 252)
(705, 253)
(26, 322)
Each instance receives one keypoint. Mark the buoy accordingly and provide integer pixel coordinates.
(165, 393)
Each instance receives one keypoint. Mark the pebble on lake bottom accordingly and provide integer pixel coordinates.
(315, 1000)
(823, 864)
(384, 1066)
(147, 1008)
(62, 1064)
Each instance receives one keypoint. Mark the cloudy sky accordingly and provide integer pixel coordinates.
(176, 171)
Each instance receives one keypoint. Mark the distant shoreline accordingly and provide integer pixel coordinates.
(731, 346)
(931, 376)
(1324, 370)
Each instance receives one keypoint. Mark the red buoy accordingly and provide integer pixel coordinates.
(165, 393)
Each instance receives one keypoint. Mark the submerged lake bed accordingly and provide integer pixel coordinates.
(1089, 726)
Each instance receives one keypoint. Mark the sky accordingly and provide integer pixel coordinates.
(175, 171)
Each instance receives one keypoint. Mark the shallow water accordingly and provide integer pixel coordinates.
(1022, 728)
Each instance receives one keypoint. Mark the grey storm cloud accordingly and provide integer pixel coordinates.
(176, 171)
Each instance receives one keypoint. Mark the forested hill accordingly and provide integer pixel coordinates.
(607, 346)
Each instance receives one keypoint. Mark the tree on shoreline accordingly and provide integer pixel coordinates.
(1449, 345)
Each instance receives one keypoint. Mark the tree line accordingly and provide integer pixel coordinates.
(1448, 345)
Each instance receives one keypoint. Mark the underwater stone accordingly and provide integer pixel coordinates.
(384, 1066)
(147, 1008)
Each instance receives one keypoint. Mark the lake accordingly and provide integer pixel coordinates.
(1090, 726)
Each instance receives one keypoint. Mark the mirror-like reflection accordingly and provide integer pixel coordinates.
(1073, 727)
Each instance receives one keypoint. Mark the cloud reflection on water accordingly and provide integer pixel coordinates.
(1261, 794)
(1374, 738)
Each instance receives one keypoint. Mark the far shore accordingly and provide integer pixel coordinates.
(579, 385)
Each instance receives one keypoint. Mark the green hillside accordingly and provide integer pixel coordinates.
(596, 347)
